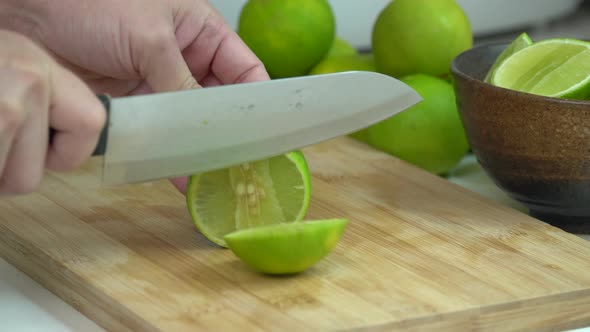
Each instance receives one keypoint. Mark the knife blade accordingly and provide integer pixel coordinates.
(163, 135)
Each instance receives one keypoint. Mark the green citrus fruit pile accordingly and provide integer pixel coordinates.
(416, 41)
(413, 40)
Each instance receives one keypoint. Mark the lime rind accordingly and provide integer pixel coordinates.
(298, 159)
(522, 41)
(558, 68)
(286, 248)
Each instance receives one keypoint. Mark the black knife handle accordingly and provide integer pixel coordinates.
(101, 146)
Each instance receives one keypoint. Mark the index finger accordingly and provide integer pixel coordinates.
(218, 55)
(234, 62)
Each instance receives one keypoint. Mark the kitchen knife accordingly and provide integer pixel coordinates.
(179, 133)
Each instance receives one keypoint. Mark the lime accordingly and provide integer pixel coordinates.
(288, 36)
(273, 190)
(346, 62)
(430, 134)
(286, 248)
(522, 41)
(420, 36)
(341, 47)
(558, 67)
(340, 63)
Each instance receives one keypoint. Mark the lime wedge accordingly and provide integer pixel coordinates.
(286, 248)
(557, 68)
(520, 42)
(274, 190)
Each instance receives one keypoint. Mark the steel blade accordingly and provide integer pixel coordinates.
(180, 133)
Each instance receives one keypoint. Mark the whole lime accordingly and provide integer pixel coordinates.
(341, 47)
(288, 36)
(336, 62)
(420, 36)
(340, 63)
(430, 134)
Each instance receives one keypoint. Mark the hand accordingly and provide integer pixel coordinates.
(35, 94)
(140, 46)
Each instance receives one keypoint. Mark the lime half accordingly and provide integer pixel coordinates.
(557, 68)
(274, 190)
(522, 41)
(286, 248)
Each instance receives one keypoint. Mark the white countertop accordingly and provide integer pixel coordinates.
(25, 306)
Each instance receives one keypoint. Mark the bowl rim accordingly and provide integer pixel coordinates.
(473, 80)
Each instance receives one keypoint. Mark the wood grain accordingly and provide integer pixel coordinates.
(420, 253)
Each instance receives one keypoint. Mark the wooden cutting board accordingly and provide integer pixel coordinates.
(420, 253)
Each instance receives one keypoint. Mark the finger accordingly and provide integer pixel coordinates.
(23, 141)
(220, 51)
(163, 66)
(210, 80)
(230, 68)
(78, 117)
(180, 183)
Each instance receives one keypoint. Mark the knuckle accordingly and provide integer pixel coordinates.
(28, 90)
(213, 27)
(32, 80)
(11, 116)
(158, 39)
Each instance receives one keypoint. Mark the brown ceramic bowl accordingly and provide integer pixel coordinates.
(536, 149)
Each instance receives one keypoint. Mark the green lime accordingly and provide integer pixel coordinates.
(288, 36)
(273, 190)
(420, 36)
(558, 67)
(430, 134)
(340, 63)
(346, 62)
(522, 41)
(286, 248)
(341, 47)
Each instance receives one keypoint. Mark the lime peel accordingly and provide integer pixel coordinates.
(286, 248)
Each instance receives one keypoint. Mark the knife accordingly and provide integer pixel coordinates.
(164, 135)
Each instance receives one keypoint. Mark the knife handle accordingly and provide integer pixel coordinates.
(101, 146)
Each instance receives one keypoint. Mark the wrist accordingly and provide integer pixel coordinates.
(22, 16)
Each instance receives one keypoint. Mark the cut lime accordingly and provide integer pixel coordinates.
(286, 248)
(274, 190)
(522, 41)
(557, 68)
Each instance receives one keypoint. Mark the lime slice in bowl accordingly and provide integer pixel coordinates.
(286, 248)
(558, 68)
(520, 42)
(274, 190)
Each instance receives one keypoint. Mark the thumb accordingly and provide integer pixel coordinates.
(164, 66)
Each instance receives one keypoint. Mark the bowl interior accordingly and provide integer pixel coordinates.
(476, 62)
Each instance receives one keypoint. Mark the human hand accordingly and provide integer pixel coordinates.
(140, 46)
(35, 94)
